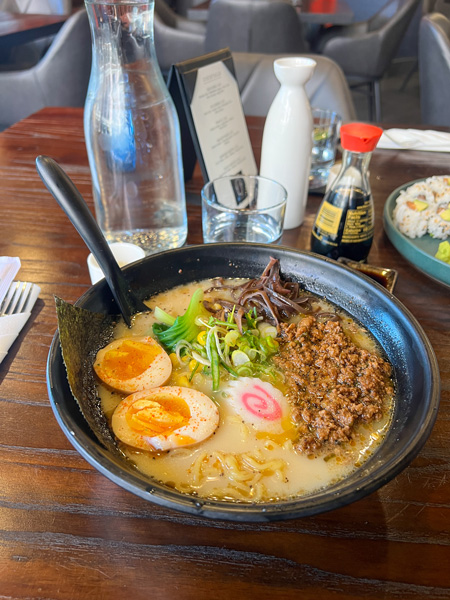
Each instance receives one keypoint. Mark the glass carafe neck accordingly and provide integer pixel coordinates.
(122, 32)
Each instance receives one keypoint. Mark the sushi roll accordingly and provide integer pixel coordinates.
(411, 215)
(420, 191)
(440, 185)
(424, 207)
(439, 223)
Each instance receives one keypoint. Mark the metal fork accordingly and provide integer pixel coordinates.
(17, 298)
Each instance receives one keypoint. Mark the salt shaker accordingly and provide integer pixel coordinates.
(287, 138)
(132, 131)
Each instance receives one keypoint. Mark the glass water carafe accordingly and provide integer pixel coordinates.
(132, 132)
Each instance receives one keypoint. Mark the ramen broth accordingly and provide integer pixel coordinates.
(238, 463)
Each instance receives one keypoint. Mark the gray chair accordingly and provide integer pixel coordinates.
(363, 10)
(26, 55)
(181, 7)
(443, 7)
(176, 38)
(434, 69)
(170, 18)
(258, 85)
(365, 50)
(60, 78)
(265, 26)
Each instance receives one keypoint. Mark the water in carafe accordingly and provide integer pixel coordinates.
(132, 132)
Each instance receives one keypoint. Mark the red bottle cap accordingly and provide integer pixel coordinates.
(360, 137)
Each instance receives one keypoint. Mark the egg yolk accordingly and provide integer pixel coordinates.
(151, 417)
(129, 360)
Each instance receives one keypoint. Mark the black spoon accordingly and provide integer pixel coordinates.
(70, 200)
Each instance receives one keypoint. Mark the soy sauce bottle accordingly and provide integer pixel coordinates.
(344, 224)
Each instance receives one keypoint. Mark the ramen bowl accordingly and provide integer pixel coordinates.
(398, 333)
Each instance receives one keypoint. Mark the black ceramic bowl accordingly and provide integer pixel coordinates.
(399, 334)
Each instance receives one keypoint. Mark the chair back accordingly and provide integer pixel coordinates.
(258, 84)
(443, 7)
(60, 78)
(64, 71)
(434, 69)
(368, 55)
(385, 14)
(393, 19)
(266, 26)
(176, 38)
(390, 25)
(181, 7)
(165, 14)
(364, 9)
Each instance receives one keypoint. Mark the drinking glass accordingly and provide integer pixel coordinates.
(326, 127)
(243, 208)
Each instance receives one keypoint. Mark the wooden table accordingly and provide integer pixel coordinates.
(67, 532)
(18, 28)
(332, 12)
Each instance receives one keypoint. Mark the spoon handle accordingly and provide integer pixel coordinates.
(70, 200)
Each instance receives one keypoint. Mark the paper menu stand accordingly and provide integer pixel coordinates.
(212, 120)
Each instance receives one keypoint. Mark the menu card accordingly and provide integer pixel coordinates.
(206, 94)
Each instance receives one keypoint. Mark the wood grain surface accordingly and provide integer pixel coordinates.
(18, 28)
(67, 532)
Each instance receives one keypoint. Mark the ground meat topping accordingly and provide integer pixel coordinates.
(333, 384)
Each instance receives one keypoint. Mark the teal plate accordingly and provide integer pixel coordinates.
(418, 251)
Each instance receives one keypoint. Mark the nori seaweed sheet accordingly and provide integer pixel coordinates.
(82, 333)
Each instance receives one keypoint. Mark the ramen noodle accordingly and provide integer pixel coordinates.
(253, 454)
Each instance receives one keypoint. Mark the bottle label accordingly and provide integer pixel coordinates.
(329, 218)
(359, 226)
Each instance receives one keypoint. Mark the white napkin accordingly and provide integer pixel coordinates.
(11, 325)
(415, 139)
(9, 266)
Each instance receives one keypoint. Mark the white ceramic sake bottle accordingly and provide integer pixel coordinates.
(287, 139)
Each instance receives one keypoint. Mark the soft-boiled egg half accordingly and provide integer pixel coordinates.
(133, 364)
(259, 404)
(164, 418)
